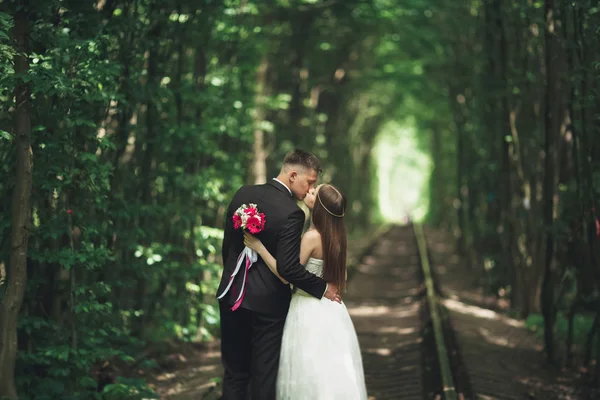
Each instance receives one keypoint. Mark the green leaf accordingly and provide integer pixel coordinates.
(127, 358)
(6, 136)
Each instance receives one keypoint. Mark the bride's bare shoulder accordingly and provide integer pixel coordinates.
(312, 238)
(312, 241)
(312, 234)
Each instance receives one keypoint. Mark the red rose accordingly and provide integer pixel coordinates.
(69, 211)
(237, 221)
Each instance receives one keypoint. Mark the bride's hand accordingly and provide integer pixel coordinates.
(252, 242)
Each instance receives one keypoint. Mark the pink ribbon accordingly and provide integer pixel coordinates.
(251, 257)
(240, 298)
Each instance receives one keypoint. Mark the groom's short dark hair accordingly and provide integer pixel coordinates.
(302, 158)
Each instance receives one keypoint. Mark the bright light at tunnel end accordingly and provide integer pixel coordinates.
(403, 172)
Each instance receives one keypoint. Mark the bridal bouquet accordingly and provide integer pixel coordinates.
(245, 217)
(248, 217)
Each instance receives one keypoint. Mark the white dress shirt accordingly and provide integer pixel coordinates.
(289, 190)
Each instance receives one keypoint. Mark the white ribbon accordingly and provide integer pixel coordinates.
(251, 257)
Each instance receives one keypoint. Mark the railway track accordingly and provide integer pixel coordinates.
(416, 344)
(403, 333)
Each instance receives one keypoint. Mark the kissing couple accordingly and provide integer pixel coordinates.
(291, 336)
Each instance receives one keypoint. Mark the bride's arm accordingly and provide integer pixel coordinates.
(255, 244)
(307, 247)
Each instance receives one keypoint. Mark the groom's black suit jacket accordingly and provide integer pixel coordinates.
(283, 228)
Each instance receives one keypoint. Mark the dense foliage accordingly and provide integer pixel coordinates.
(519, 153)
(144, 116)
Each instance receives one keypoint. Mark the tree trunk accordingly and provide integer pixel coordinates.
(436, 194)
(21, 212)
(259, 170)
(146, 175)
(461, 188)
(551, 133)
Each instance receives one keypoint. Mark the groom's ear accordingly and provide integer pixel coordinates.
(293, 176)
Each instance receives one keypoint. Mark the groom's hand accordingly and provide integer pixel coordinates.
(332, 293)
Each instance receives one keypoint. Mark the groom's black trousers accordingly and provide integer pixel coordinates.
(250, 347)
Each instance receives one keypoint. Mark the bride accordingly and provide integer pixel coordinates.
(320, 355)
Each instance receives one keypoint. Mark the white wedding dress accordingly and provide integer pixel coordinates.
(320, 355)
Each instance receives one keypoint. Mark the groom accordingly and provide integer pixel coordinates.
(251, 335)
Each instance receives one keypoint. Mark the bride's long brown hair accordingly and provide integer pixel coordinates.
(328, 219)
